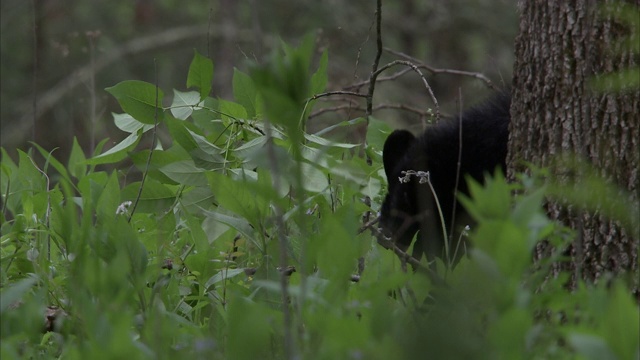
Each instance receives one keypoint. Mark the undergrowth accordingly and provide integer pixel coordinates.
(227, 231)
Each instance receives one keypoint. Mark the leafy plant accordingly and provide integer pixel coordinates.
(236, 235)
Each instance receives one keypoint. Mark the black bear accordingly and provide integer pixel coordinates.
(410, 206)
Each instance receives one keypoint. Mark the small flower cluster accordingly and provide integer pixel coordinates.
(423, 176)
(123, 208)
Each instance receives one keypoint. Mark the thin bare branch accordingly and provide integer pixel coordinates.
(424, 81)
(434, 70)
(376, 61)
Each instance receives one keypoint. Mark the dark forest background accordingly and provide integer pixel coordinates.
(57, 57)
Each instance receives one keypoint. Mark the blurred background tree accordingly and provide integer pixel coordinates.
(58, 56)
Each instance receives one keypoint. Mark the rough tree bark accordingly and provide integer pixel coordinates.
(561, 47)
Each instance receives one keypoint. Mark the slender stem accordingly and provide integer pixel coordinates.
(282, 242)
(153, 144)
(458, 166)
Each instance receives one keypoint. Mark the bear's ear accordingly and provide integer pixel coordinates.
(395, 147)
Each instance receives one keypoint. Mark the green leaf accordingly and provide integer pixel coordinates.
(127, 123)
(491, 201)
(15, 292)
(231, 111)
(250, 148)
(314, 179)
(200, 74)
(77, 161)
(377, 133)
(319, 78)
(222, 275)
(351, 122)
(328, 143)
(55, 163)
(184, 103)
(185, 172)
(240, 224)
(138, 99)
(180, 134)
(591, 347)
(118, 152)
(109, 199)
(233, 195)
(153, 190)
(620, 326)
(245, 93)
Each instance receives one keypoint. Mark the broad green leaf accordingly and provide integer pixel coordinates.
(180, 134)
(234, 195)
(245, 93)
(377, 133)
(314, 179)
(138, 99)
(591, 347)
(491, 200)
(231, 111)
(333, 246)
(91, 187)
(372, 188)
(53, 161)
(252, 326)
(197, 197)
(325, 142)
(222, 275)
(249, 148)
(184, 103)
(319, 78)
(355, 121)
(197, 233)
(238, 223)
(345, 170)
(185, 172)
(152, 190)
(77, 161)
(619, 325)
(109, 199)
(159, 159)
(9, 171)
(200, 74)
(316, 156)
(118, 152)
(127, 123)
(509, 333)
(29, 177)
(15, 292)
(207, 147)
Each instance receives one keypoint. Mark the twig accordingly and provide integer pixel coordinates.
(404, 257)
(458, 166)
(424, 81)
(379, 79)
(338, 92)
(376, 61)
(153, 144)
(382, 106)
(434, 70)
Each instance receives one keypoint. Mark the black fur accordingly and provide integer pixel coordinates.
(409, 208)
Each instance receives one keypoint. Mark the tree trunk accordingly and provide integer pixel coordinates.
(561, 49)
